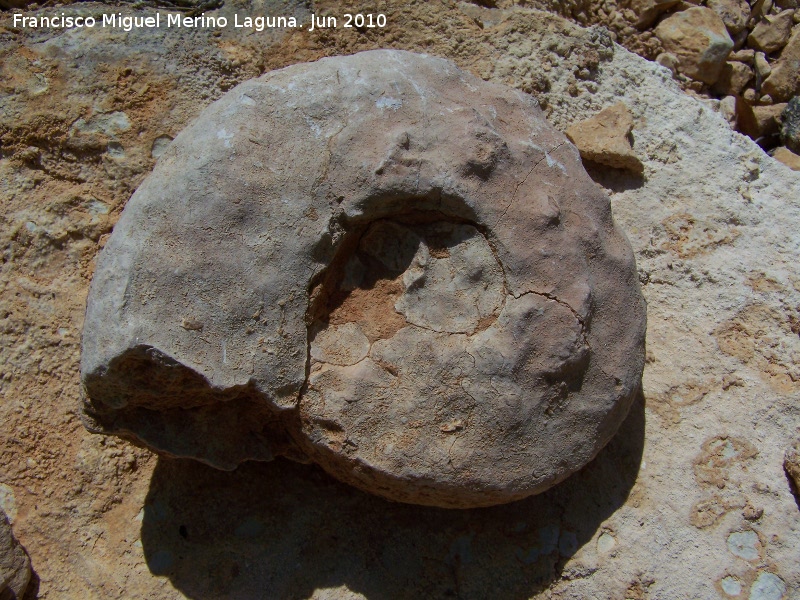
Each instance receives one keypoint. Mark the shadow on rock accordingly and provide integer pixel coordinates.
(284, 530)
(613, 180)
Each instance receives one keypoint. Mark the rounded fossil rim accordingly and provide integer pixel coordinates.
(377, 262)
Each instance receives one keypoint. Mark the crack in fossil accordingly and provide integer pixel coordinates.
(555, 298)
(521, 183)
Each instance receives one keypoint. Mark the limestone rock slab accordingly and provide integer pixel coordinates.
(379, 263)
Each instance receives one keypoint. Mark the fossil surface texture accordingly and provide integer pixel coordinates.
(378, 263)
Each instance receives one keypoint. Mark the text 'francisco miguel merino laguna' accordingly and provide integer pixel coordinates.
(171, 20)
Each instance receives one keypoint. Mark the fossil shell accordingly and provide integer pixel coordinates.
(379, 263)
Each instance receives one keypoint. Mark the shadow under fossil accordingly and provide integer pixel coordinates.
(613, 180)
(283, 530)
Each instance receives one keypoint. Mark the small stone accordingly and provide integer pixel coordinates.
(160, 145)
(762, 66)
(745, 55)
(739, 39)
(752, 513)
(727, 108)
(699, 39)
(670, 61)
(758, 121)
(790, 125)
(15, 566)
(605, 138)
(734, 13)
(772, 33)
(696, 86)
(647, 11)
(766, 100)
(784, 80)
(452, 426)
(733, 79)
(190, 324)
(750, 96)
(758, 9)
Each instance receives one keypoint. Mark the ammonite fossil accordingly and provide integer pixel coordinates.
(378, 263)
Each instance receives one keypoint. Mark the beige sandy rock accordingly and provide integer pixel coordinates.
(758, 121)
(444, 273)
(606, 138)
(733, 79)
(787, 157)
(734, 13)
(761, 64)
(772, 33)
(670, 61)
(745, 55)
(15, 566)
(784, 80)
(727, 108)
(647, 11)
(699, 39)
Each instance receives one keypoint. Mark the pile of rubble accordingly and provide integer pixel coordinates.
(745, 53)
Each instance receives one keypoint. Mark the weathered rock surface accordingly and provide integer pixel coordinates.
(445, 272)
(790, 125)
(784, 79)
(699, 39)
(772, 33)
(15, 566)
(606, 138)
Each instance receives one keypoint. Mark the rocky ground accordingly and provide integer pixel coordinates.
(693, 498)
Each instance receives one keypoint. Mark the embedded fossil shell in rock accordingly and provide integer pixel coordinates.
(378, 263)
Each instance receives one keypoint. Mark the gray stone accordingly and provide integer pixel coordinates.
(790, 125)
(15, 566)
(380, 263)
